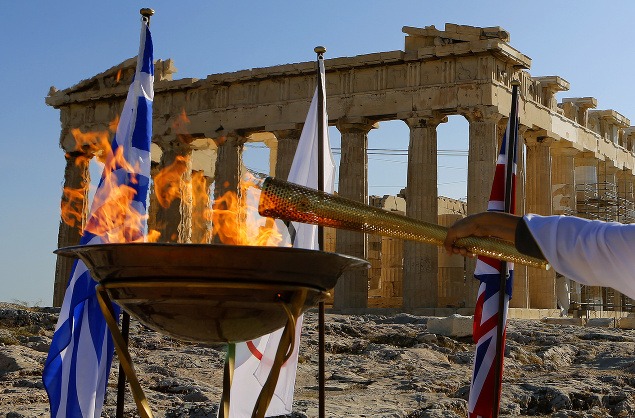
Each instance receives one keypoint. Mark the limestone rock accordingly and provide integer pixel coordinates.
(376, 365)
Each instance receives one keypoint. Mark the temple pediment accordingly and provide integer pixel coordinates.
(457, 40)
(115, 80)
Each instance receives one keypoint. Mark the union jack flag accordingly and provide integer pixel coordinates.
(488, 271)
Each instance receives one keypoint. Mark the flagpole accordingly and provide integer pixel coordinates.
(125, 317)
(320, 50)
(512, 145)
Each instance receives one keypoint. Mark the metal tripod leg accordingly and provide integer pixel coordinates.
(122, 352)
(228, 376)
(285, 349)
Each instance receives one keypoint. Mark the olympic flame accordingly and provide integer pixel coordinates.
(112, 217)
(235, 218)
(232, 218)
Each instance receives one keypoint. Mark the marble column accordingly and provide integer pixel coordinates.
(172, 187)
(624, 180)
(625, 194)
(586, 177)
(520, 290)
(228, 169)
(153, 202)
(391, 279)
(272, 144)
(563, 180)
(542, 284)
(607, 188)
(420, 265)
(564, 203)
(351, 290)
(287, 144)
(75, 200)
(481, 164)
(201, 214)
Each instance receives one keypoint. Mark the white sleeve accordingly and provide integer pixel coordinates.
(593, 253)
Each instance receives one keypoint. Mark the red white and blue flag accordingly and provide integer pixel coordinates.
(488, 271)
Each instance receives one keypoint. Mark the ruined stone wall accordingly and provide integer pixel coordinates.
(460, 70)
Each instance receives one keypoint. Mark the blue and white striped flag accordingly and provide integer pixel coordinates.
(76, 370)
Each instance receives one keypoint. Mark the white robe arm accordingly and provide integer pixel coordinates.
(593, 253)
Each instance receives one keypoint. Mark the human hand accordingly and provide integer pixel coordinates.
(485, 224)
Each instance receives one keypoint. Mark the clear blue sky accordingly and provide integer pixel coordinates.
(590, 44)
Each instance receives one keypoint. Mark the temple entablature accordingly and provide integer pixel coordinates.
(461, 70)
(550, 85)
(577, 108)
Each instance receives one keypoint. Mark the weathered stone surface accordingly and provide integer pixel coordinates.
(452, 326)
(376, 365)
(563, 321)
(601, 322)
(460, 70)
(626, 323)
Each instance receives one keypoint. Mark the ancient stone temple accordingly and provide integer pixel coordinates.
(574, 159)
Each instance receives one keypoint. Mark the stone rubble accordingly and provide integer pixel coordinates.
(377, 366)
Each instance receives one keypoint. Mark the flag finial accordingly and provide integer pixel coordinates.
(146, 12)
(515, 83)
(319, 49)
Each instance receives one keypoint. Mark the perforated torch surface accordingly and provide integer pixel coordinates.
(292, 202)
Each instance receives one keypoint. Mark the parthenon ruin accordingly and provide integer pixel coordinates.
(575, 160)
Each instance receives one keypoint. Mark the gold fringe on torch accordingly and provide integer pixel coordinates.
(292, 202)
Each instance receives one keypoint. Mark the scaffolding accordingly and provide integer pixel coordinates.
(603, 201)
(606, 202)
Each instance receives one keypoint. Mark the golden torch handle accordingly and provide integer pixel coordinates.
(292, 202)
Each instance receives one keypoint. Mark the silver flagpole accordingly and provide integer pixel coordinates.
(125, 317)
(512, 145)
(320, 50)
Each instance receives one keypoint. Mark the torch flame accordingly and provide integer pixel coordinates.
(73, 206)
(113, 216)
(169, 183)
(236, 221)
(231, 219)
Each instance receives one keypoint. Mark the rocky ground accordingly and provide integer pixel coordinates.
(377, 366)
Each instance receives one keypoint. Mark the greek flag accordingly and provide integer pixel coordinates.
(76, 370)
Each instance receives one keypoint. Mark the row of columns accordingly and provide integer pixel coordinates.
(547, 163)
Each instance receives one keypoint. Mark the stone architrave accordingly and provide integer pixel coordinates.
(351, 290)
(580, 108)
(459, 70)
(542, 284)
(420, 276)
(76, 182)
